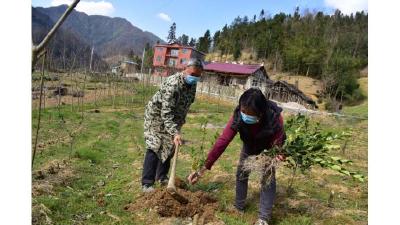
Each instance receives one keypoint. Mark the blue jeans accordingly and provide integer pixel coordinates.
(267, 192)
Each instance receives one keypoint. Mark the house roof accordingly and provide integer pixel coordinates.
(233, 68)
(292, 89)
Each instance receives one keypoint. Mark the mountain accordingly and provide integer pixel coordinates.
(65, 50)
(109, 36)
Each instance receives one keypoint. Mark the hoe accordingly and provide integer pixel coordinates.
(171, 189)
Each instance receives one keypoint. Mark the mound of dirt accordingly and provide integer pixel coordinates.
(40, 215)
(200, 203)
(56, 172)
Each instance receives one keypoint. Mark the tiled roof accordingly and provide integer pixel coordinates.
(232, 68)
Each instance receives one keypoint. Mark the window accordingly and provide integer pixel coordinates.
(172, 62)
(158, 59)
(183, 61)
(255, 82)
(160, 49)
(184, 50)
(240, 81)
(224, 80)
(174, 52)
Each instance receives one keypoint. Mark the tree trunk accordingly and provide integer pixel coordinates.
(40, 110)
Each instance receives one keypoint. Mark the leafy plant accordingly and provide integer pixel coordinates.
(309, 145)
(198, 156)
(306, 145)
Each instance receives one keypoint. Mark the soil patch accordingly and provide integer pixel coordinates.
(53, 173)
(40, 215)
(200, 203)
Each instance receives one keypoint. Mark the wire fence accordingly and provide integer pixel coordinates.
(64, 101)
(82, 93)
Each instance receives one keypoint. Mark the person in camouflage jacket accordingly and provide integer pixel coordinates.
(164, 117)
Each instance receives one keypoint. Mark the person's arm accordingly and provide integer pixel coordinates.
(279, 138)
(219, 147)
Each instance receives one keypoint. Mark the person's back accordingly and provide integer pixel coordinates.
(182, 96)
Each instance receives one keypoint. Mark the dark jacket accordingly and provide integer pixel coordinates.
(269, 125)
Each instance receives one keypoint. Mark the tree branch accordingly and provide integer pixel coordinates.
(38, 49)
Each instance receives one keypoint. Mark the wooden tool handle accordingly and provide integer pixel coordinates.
(171, 181)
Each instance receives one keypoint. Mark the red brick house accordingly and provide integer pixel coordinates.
(170, 58)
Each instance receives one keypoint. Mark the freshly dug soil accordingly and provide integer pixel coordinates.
(200, 203)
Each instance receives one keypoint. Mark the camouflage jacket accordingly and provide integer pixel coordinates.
(165, 114)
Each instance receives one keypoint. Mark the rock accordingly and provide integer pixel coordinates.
(116, 165)
(60, 91)
(78, 94)
(101, 183)
(38, 174)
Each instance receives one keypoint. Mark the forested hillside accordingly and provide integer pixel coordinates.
(333, 48)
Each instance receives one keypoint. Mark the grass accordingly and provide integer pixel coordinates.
(363, 85)
(107, 155)
(361, 109)
(358, 110)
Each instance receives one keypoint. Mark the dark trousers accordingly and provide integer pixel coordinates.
(154, 169)
(267, 192)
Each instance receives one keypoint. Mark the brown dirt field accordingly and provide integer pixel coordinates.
(200, 203)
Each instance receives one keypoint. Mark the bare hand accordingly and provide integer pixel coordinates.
(280, 157)
(177, 140)
(195, 176)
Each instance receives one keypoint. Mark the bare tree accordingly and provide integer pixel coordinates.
(38, 50)
(40, 109)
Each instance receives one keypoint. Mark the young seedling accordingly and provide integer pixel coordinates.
(306, 145)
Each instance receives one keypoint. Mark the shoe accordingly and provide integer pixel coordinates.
(261, 222)
(147, 188)
(164, 182)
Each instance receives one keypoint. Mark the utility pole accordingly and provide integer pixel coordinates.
(141, 72)
(141, 67)
(91, 60)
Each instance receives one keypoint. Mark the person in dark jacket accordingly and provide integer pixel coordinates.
(260, 126)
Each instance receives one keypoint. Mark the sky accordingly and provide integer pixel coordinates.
(194, 17)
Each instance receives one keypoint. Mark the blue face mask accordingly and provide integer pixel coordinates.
(249, 119)
(191, 79)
